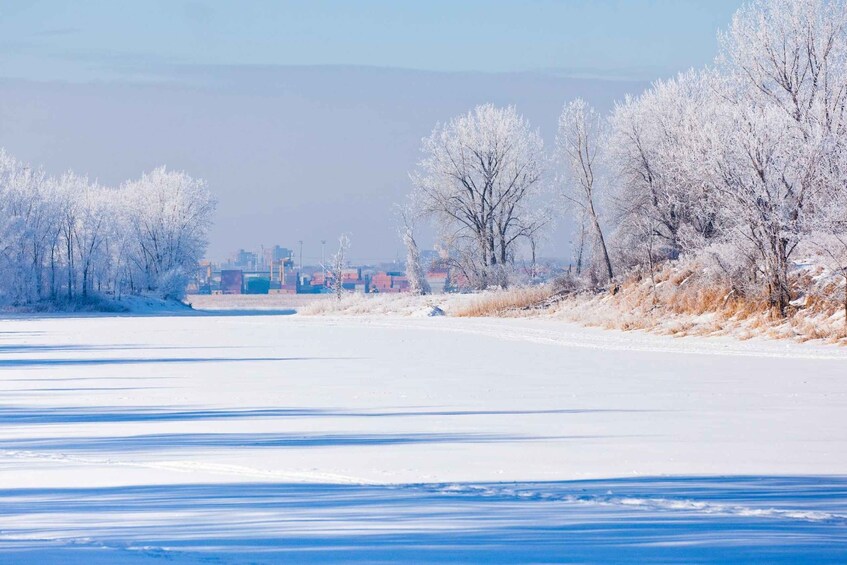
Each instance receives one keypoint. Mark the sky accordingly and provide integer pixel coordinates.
(76, 40)
(258, 96)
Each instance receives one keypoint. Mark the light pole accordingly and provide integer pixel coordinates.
(323, 260)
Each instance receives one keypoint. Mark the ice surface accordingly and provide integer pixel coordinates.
(249, 438)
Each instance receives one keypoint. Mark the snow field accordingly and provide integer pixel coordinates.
(250, 438)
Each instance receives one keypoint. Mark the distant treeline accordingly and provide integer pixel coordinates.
(68, 239)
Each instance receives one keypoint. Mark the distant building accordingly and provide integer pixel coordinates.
(272, 255)
(389, 282)
(351, 275)
(400, 283)
(244, 260)
(437, 280)
(232, 281)
(257, 285)
(380, 282)
(280, 270)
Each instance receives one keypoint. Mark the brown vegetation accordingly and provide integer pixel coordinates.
(518, 301)
(683, 299)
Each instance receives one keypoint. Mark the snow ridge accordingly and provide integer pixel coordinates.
(646, 504)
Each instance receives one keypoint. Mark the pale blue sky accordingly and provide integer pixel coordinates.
(118, 39)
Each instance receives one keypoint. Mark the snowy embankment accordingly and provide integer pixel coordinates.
(102, 305)
(291, 438)
(677, 300)
(687, 300)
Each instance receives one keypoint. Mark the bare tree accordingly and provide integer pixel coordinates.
(746, 154)
(786, 63)
(479, 178)
(657, 163)
(415, 271)
(581, 137)
(169, 217)
(339, 262)
(831, 221)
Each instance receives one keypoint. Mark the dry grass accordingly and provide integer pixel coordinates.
(681, 300)
(511, 302)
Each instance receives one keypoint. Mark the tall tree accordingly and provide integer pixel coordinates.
(582, 134)
(786, 65)
(415, 271)
(169, 215)
(480, 178)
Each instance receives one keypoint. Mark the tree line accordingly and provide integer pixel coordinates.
(742, 164)
(69, 239)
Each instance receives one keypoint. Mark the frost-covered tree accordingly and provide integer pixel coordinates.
(95, 223)
(581, 137)
(745, 156)
(791, 54)
(169, 216)
(29, 214)
(654, 156)
(64, 239)
(830, 226)
(415, 271)
(69, 186)
(786, 67)
(480, 178)
(339, 262)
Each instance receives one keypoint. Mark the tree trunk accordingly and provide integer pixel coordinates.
(38, 282)
(779, 290)
(602, 241)
(532, 245)
(581, 246)
(53, 272)
(70, 269)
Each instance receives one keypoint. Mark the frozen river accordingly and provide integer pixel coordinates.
(267, 438)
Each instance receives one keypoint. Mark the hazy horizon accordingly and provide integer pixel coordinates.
(291, 153)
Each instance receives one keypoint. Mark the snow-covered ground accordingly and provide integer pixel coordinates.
(284, 438)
